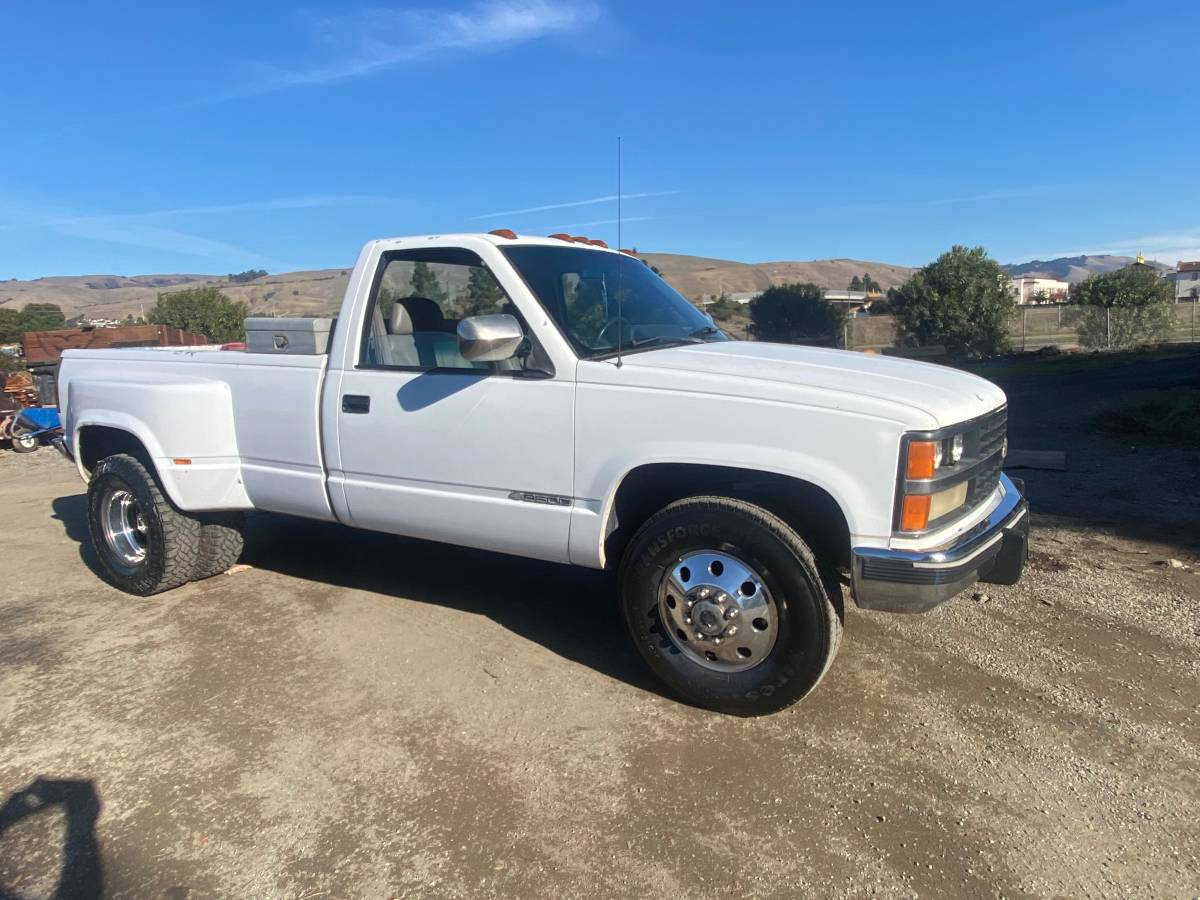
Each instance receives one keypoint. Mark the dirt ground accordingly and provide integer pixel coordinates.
(362, 716)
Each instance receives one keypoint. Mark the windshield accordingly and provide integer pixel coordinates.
(581, 288)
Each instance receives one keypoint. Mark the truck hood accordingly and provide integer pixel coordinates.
(817, 376)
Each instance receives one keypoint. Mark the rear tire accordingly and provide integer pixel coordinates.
(727, 605)
(221, 544)
(145, 545)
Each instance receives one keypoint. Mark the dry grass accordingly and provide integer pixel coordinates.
(1171, 413)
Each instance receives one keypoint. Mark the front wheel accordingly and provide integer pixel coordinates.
(145, 545)
(727, 605)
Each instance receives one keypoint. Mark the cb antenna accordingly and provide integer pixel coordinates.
(620, 254)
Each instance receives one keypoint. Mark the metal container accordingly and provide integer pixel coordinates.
(306, 337)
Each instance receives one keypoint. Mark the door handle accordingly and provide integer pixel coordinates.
(356, 403)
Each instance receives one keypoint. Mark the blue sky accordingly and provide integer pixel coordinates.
(222, 136)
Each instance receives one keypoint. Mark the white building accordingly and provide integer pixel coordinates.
(744, 296)
(1027, 287)
(1186, 278)
(852, 303)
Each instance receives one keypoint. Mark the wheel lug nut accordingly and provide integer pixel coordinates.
(687, 620)
(717, 640)
(691, 603)
(704, 592)
(731, 631)
(732, 612)
(699, 635)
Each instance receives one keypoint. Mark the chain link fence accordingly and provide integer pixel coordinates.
(1034, 327)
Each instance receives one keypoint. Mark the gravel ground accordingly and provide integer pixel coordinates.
(360, 716)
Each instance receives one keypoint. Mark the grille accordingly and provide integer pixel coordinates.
(987, 438)
(984, 482)
(989, 433)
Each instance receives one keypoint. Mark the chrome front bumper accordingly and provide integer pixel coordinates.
(994, 551)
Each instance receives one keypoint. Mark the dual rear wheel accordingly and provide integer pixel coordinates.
(146, 545)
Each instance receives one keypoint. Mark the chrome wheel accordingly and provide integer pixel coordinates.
(718, 611)
(124, 529)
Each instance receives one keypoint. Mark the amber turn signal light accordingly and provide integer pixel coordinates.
(922, 460)
(914, 514)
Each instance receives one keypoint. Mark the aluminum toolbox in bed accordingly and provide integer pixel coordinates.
(297, 336)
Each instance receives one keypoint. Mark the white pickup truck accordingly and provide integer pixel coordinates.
(556, 399)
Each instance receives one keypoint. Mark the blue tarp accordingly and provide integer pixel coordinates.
(39, 418)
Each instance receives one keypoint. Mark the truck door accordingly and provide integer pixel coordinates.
(433, 445)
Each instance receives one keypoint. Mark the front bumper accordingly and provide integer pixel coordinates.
(994, 551)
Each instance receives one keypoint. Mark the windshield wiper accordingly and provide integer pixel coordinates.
(664, 340)
(705, 331)
(659, 340)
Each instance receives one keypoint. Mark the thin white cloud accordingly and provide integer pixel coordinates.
(623, 220)
(1168, 247)
(981, 197)
(367, 41)
(150, 237)
(130, 230)
(310, 202)
(608, 198)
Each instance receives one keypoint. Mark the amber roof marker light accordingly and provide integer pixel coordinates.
(504, 233)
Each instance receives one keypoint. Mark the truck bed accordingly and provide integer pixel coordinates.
(247, 424)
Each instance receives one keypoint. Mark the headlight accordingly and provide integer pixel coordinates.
(956, 449)
(918, 510)
(922, 460)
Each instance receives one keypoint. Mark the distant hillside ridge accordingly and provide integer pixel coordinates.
(319, 291)
(696, 276)
(1076, 268)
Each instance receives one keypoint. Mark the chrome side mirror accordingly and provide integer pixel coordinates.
(489, 338)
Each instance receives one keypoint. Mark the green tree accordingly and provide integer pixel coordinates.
(723, 308)
(1122, 309)
(203, 310)
(484, 294)
(425, 284)
(795, 313)
(856, 284)
(870, 285)
(42, 317)
(248, 275)
(10, 326)
(961, 301)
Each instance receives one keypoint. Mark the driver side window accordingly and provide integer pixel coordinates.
(418, 300)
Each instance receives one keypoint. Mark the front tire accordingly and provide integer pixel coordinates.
(727, 605)
(145, 545)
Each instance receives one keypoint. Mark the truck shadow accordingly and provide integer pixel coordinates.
(81, 874)
(570, 611)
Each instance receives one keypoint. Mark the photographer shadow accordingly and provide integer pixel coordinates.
(81, 876)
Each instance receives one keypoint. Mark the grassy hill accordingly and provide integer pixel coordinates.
(1075, 268)
(319, 292)
(694, 276)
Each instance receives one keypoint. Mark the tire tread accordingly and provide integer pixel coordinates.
(180, 532)
(820, 581)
